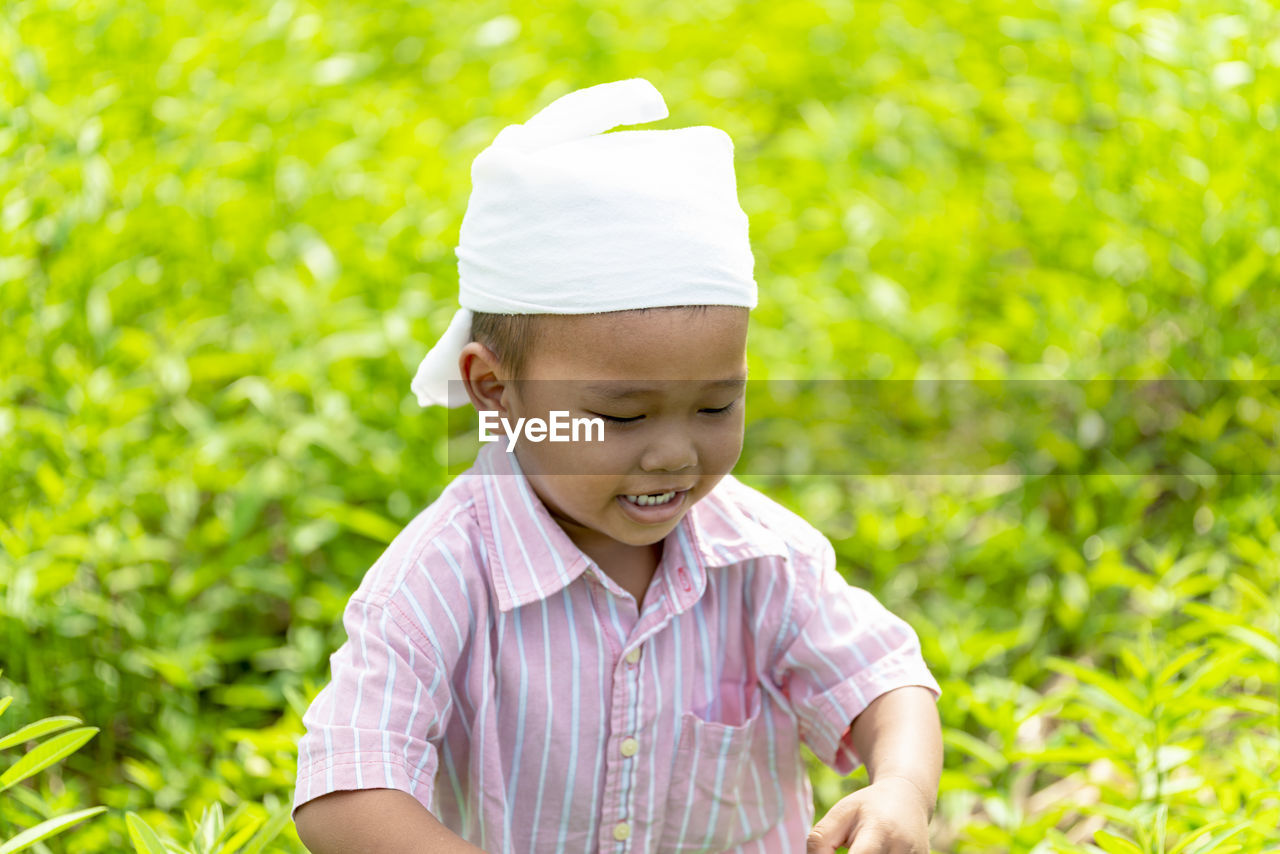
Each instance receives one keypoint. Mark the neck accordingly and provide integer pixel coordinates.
(617, 559)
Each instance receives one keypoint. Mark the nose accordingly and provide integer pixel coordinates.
(671, 450)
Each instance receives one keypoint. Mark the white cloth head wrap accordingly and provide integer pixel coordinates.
(566, 219)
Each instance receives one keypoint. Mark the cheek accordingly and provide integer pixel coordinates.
(722, 446)
(615, 456)
(587, 491)
(579, 497)
(571, 458)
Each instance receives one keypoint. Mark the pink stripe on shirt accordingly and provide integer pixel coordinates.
(495, 673)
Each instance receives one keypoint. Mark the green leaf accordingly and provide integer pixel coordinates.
(1186, 841)
(1228, 286)
(1215, 844)
(1111, 686)
(1209, 675)
(1212, 616)
(235, 843)
(1075, 755)
(269, 831)
(144, 838)
(45, 829)
(1134, 664)
(226, 840)
(975, 747)
(1173, 667)
(209, 829)
(45, 754)
(1113, 844)
(41, 727)
(4, 703)
(1264, 645)
(358, 519)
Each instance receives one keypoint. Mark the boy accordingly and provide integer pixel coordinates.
(611, 645)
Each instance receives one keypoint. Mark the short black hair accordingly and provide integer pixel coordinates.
(509, 336)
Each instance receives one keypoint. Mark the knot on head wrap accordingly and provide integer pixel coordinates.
(567, 219)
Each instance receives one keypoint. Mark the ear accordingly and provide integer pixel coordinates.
(483, 377)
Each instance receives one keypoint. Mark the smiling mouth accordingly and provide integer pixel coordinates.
(652, 499)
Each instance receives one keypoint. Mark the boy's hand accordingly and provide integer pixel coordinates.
(889, 816)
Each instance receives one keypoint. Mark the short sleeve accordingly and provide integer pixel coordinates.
(842, 649)
(377, 723)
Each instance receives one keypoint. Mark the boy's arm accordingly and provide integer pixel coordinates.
(375, 821)
(899, 735)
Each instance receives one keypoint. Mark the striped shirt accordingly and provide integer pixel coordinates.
(497, 675)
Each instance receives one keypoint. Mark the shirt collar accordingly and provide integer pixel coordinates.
(532, 558)
(720, 530)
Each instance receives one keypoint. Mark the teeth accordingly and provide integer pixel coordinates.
(650, 500)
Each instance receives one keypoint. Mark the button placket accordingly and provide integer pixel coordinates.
(628, 747)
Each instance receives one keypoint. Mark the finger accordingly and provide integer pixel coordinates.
(870, 839)
(833, 830)
(820, 841)
(903, 845)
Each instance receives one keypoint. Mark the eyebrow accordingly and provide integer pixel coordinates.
(612, 392)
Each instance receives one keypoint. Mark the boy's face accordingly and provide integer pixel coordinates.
(678, 378)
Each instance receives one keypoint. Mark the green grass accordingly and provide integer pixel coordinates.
(226, 239)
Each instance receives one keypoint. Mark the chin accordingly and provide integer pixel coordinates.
(632, 537)
(637, 539)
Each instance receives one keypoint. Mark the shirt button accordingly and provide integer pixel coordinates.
(633, 656)
(630, 746)
(621, 831)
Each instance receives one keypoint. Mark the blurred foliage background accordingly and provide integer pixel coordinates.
(226, 240)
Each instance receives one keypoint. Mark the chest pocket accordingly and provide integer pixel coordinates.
(721, 794)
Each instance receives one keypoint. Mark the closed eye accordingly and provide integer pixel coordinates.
(721, 411)
(615, 419)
